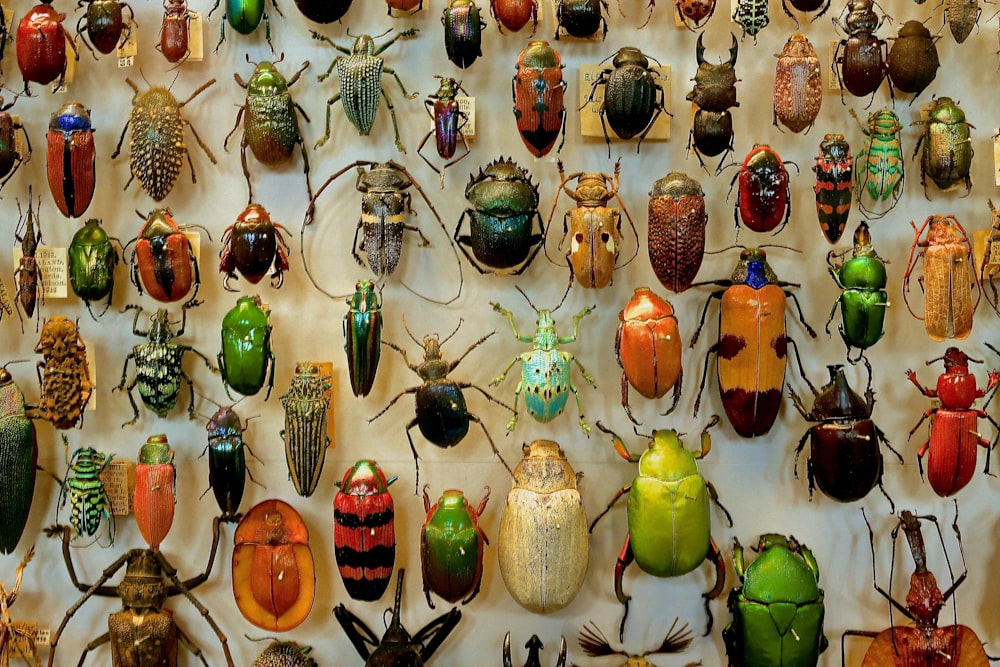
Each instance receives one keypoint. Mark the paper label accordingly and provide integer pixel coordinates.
(128, 48)
(119, 483)
(24, 640)
(194, 237)
(996, 157)
(52, 270)
(196, 31)
(590, 119)
(834, 74)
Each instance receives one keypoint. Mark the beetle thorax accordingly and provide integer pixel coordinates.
(545, 331)
(160, 330)
(592, 190)
(142, 586)
(364, 45)
(924, 601)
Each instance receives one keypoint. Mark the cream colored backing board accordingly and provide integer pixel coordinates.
(755, 478)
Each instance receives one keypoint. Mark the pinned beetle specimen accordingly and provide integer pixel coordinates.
(913, 58)
(11, 158)
(596, 645)
(463, 32)
(694, 14)
(285, 654)
(155, 492)
(253, 246)
(862, 55)
(246, 354)
(798, 85)
(174, 31)
(83, 489)
(515, 14)
(28, 276)
(581, 18)
(440, 409)
(752, 17)
(92, 261)
(962, 16)
(244, 16)
(41, 46)
(449, 121)
(648, 347)
(360, 72)
(819, 6)
(163, 260)
(538, 90)
(452, 544)
(714, 93)
(592, 231)
(227, 460)
(863, 299)
(105, 24)
(18, 458)
(63, 373)
(633, 96)
(676, 224)
(834, 187)
(364, 530)
(947, 155)
(307, 407)
(70, 158)
(878, 174)
(991, 259)
(142, 633)
(534, 646)
(763, 200)
(323, 11)
(157, 146)
(363, 336)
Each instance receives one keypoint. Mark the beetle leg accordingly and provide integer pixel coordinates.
(479, 342)
(798, 307)
(495, 382)
(200, 143)
(927, 413)
(392, 114)
(798, 451)
(267, 31)
(103, 639)
(621, 492)
(413, 450)
(355, 629)
(435, 632)
(329, 106)
(469, 385)
(411, 390)
(701, 387)
(791, 342)
(246, 170)
(715, 556)
(625, 559)
(496, 452)
(187, 643)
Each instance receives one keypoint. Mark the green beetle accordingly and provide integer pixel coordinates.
(451, 547)
(778, 611)
(947, 146)
(92, 262)
(246, 348)
(244, 16)
(363, 336)
(863, 300)
(669, 518)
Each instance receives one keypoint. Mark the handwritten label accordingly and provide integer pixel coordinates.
(834, 74)
(52, 269)
(590, 119)
(25, 638)
(196, 31)
(128, 49)
(119, 483)
(466, 105)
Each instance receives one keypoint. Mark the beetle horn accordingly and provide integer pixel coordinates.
(733, 50)
(699, 50)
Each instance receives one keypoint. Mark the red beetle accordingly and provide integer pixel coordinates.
(364, 530)
(648, 347)
(694, 14)
(677, 221)
(538, 89)
(163, 260)
(174, 31)
(253, 246)
(514, 14)
(70, 159)
(154, 497)
(952, 445)
(274, 579)
(41, 45)
(762, 200)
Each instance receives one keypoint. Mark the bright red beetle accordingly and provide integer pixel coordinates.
(364, 530)
(155, 495)
(41, 45)
(762, 199)
(515, 14)
(648, 347)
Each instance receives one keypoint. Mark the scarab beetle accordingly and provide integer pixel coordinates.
(863, 298)
(947, 146)
(452, 544)
(244, 16)
(648, 347)
(463, 32)
(364, 530)
(105, 24)
(913, 61)
(41, 46)
(246, 354)
(798, 85)
(92, 261)
(581, 18)
(163, 261)
(253, 246)
(515, 14)
(763, 200)
(70, 159)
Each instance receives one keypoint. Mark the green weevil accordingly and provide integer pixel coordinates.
(246, 352)
(92, 262)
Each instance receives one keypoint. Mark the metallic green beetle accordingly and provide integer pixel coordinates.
(244, 16)
(545, 369)
(246, 348)
(947, 154)
(878, 167)
(18, 458)
(778, 611)
(669, 518)
(363, 336)
(92, 262)
(863, 300)
(83, 489)
(452, 546)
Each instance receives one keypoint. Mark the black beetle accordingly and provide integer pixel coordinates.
(581, 18)
(227, 460)
(463, 32)
(819, 6)
(10, 158)
(714, 93)
(913, 61)
(862, 54)
(104, 22)
(323, 11)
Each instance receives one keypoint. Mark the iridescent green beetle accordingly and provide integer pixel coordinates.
(863, 300)
(246, 352)
(878, 167)
(451, 547)
(363, 336)
(947, 147)
(92, 262)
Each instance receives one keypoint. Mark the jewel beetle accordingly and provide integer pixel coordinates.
(363, 336)
(163, 260)
(274, 576)
(834, 171)
(752, 346)
(452, 544)
(92, 260)
(863, 299)
(71, 159)
(543, 547)
(227, 460)
(155, 490)
(18, 458)
(669, 514)
(246, 354)
(676, 224)
(103, 24)
(538, 88)
(364, 530)
(253, 246)
(307, 408)
(763, 200)
(778, 609)
(41, 46)
(463, 32)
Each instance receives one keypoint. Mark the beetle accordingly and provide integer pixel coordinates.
(363, 336)
(845, 458)
(504, 206)
(285, 654)
(227, 460)
(543, 547)
(821, 7)
(962, 16)
(953, 439)
(694, 14)
(648, 348)
(28, 276)
(71, 159)
(274, 576)
(406, 7)
(158, 365)
(360, 72)
(714, 94)
(463, 32)
(669, 514)
(633, 96)
(155, 490)
(244, 16)
(538, 89)
(174, 31)
(880, 163)
(92, 261)
(949, 282)
(63, 373)
(863, 299)
(752, 17)
(157, 147)
(798, 85)
(253, 246)
(862, 55)
(545, 369)
(83, 489)
(105, 24)
(448, 122)
(515, 14)
(142, 633)
(41, 46)
(990, 263)
(325, 11)
(307, 406)
(11, 158)
(385, 205)
(163, 260)
(246, 354)
(925, 641)
(677, 220)
(581, 18)
(834, 171)
(534, 646)
(270, 124)
(452, 544)
(763, 200)
(913, 61)
(364, 530)
(440, 410)
(947, 155)
(778, 610)
(18, 458)
(596, 645)
(753, 344)
(397, 646)
(16, 640)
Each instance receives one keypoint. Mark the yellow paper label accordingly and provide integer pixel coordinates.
(119, 483)
(590, 119)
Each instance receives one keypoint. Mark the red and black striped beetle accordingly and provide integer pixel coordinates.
(163, 260)
(677, 221)
(834, 170)
(364, 530)
(71, 159)
(762, 199)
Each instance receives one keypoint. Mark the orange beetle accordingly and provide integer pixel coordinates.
(648, 347)
(154, 497)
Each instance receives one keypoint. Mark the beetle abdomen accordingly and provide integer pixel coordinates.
(271, 127)
(156, 148)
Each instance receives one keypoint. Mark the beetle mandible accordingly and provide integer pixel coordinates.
(714, 94)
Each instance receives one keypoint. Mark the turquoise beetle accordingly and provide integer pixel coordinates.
(451, 547)
(669, 517)
(878, 167)
(863, 299)
(246, 348)
(778, 611)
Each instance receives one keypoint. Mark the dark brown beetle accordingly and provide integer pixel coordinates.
(103, 25)
(961, 16)
(806, 6)
(10, 158)
(798, 85)
(862, 55)
(28, 277)
(677, 221)
(913, 59)
(174, 31)
(714, 93)
(253, 246)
